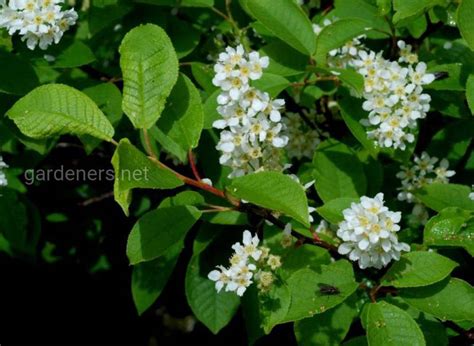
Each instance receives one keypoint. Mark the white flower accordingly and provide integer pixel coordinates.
(3, 178)
(247, 259)
(419, 76)
(423, 171)
(393, 93)
(393, 96)
(471, 195)
(221, 277)
(302, 139)
(39, 22)
(406, 54)
(369, 233)
(249, 247)
(251, 120)
(442, 172)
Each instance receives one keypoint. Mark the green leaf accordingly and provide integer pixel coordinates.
(183, 198)
(350, 78)
(203, 74)
(226, 218)
(18, 76)
(451, 299)
(159, 229)
(465, 14)
(433, 330)
(168, 144)
(183, 3)
(352, 113)
(408, 9)
(274, 305)
(451, 227)
(150, 70)
(13, 221)
(338, 172)
(134, 170)
(184, 36)
(104, 13)
(272, 84)
(328, 328)
(182, 118)
(287, 21)
(389, 325)
(75, 54)
(109, 99)
(438, 196)
(332, 210)
(336, 35)
(149, 278)
(56, 109)
(210, 110)
(306, 298)
(213, 309)
(251, 315)
(304, 256)
(284, 60)
(357, 341)
(470, 92)
(274, 191)
(418, 268)
(455, 81)
(365, 10)
(452, 141)
(416, 26)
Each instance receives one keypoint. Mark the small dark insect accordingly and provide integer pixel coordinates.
(328, 290)
(441, 75)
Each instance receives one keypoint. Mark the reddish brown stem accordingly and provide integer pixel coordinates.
(192, 163)
(192, 182)
(373, 293)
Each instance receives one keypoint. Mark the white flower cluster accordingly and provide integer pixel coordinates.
(369, 233)
(394, 93)
(39, 22)
(248, 262)
(341, 57)
(394, 97)
(3, 178)
(251, 120)
(422, 172)
(303, 139)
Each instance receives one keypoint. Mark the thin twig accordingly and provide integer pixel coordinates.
(192, 163)
(216, 11)
(97, 199)
(373, 293)
(149, 148)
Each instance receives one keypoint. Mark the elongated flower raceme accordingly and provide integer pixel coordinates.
(369, 233)
(424, 170)
(39, 22)
(393, 90)
(248, 263)
(251, 119)
(302, 139)
(394, 97)
(3, 178)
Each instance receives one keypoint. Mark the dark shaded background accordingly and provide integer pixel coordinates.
(67, 302)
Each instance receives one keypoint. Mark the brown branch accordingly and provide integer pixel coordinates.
(373, 293)
(96, 199)
(148, 146)
(192, 163)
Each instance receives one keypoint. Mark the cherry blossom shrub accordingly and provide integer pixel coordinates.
(313, 159)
